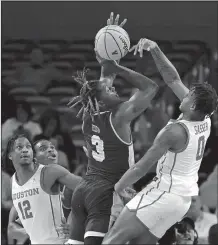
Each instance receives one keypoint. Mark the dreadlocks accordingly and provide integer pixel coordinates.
(7, 163)
(206, 99)
(87, 95)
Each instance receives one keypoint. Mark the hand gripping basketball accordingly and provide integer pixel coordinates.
(111, 20)
(111, 66)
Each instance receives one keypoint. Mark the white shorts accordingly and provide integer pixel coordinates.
(159, 210)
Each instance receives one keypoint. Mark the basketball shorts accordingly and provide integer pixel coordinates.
(91, 208)
(159, 210)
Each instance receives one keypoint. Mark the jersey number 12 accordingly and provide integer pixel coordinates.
(99, 154)
(25, 209)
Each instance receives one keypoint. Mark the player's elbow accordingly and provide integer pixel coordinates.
(152, 90)
(155, 88)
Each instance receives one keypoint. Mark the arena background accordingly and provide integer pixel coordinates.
(64, 32)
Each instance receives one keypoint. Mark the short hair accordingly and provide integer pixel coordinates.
(87, 97)
(206, 99)
(7, 163)
(39, 140)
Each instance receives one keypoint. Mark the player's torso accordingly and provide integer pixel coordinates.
(38, 211)
(177, 172)
(109, 156)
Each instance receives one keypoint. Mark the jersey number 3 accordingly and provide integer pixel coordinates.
(25, 209)
(99, 154)
(201, 146)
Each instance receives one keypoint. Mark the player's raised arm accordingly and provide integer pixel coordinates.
(55, 173)
(165, 67)
(173, 137)
(140, 100)
(105, 74)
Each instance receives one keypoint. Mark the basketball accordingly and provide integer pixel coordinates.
(112, 42)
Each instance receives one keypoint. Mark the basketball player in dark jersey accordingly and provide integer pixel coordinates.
(107, 133)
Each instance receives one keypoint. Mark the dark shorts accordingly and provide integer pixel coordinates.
(91, 208)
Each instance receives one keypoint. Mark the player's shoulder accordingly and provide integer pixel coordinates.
(175, 131)
(52, 167)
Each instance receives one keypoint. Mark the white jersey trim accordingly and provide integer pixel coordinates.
(124, 142)
(94, 233)
(73, 242)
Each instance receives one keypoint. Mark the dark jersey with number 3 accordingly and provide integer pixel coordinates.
(108, 155)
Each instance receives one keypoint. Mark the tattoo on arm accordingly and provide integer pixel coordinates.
(165, 67)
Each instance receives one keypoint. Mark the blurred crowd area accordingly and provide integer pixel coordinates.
(37, 83)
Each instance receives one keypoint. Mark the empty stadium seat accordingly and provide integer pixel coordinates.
(64, 101)
(186, 47)
(180, 56)
(14, 47)
(57, 94)
(62, 65)
(22, 92)
(8, 57)
(7, 72)
(81, 47)
(18, 63)
(39, 103)
(60, 42)
(50, 48)
(70, 56)
(19, 41)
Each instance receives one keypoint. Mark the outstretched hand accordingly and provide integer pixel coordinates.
(143, 44)
(111, 20)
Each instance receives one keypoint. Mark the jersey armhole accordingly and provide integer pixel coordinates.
(115, 132)
(188, 138)
(50, 192)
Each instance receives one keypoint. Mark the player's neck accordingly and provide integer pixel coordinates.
(192, 117)
(24, 173)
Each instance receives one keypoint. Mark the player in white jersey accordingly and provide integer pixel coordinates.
(44, 149)
(35, 191)
(178, 148)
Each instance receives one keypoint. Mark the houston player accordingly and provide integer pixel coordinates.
(178, 148)
(106, 129)
(35, 191)
(44, 149)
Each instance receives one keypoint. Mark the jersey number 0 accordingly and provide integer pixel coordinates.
(201, 146)
(99, 154)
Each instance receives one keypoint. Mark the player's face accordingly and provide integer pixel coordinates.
(188, 102)
(46, 153)
(22, 152)
(186, 237)
(108, 94)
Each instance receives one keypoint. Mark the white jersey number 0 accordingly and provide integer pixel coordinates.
(99, 154)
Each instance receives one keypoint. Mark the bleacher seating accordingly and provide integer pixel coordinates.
(22, 93)
(65, 54)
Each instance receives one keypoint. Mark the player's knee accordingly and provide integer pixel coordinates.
(91, 240)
